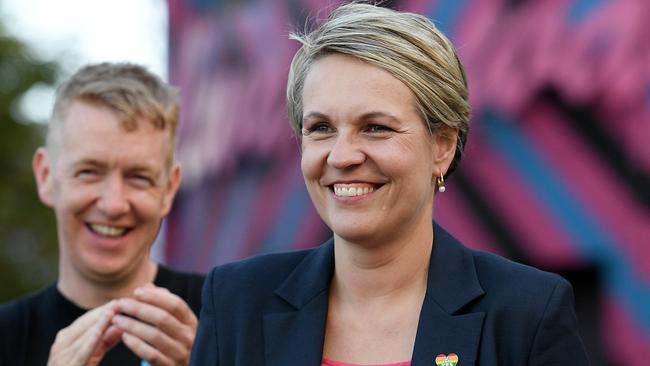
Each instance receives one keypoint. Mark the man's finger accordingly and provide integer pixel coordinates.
(152, 335)
(146, 351)
(75, 344)
(111, 337)
(84, 322)
(164, 299)
(161, 319)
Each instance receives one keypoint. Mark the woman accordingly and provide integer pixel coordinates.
(378, 100)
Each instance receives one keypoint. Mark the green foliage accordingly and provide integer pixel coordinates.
(28, 248)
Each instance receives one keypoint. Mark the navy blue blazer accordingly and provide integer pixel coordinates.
(271, 310)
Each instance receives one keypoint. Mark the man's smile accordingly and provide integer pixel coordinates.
(108, 231)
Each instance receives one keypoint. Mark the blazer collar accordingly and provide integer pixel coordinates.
(452, 282)
(443, 327)
(310, 278)
(296, 336)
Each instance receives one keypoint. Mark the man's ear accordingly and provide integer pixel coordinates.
(171, 188)
(42, 168)
(445, 140)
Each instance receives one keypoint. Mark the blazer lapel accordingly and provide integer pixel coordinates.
(296, 337)
(443, 328)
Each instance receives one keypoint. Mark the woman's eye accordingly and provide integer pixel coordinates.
(377, 128)
(318, 128)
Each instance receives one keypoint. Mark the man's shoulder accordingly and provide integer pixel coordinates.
(26, 329)
(186, 285)
(15, 310)
(168, 277)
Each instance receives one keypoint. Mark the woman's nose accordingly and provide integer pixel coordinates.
(346, 152)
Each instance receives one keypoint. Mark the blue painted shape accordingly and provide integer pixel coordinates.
(587, 233)
(206, 5)
(445, 14)
(580, 9)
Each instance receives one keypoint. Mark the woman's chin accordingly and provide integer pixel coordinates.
(359, 235)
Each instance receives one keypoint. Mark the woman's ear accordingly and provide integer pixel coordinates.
(42, 168)
(445, 140)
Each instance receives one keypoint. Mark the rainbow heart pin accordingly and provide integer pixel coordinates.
(447, 360)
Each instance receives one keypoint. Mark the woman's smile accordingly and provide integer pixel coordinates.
(352, 190)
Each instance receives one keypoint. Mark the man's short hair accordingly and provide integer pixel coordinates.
(406, 45)
(129, 90)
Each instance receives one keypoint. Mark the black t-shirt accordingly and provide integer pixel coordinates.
(29, 325)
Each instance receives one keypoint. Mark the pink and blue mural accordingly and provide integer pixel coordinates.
(557, 167)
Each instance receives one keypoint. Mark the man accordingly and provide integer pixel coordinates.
(108, 172)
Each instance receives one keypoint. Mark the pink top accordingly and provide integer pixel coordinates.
(327, 362)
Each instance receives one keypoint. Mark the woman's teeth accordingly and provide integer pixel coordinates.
(347, 191)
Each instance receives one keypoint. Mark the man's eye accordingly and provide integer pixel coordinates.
(142, 180)
(86, 173)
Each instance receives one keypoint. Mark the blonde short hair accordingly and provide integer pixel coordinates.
(128, 89)
(407, 45)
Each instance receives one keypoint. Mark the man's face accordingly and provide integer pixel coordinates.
(109, 188)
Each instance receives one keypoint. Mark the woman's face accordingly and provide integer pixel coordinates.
(368, 160)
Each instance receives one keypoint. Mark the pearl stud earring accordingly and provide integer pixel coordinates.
(440, 182)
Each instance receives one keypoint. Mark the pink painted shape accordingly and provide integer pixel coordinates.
(626, 343)
(637, 136)
(631, 131)
(623, 68)
(417, 6)
(509, 53)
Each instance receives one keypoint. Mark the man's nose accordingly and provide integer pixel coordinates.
(113, 201)
(347, 151)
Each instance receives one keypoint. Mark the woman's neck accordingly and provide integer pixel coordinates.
(385, 269)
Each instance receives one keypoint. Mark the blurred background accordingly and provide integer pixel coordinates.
(556, 172)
